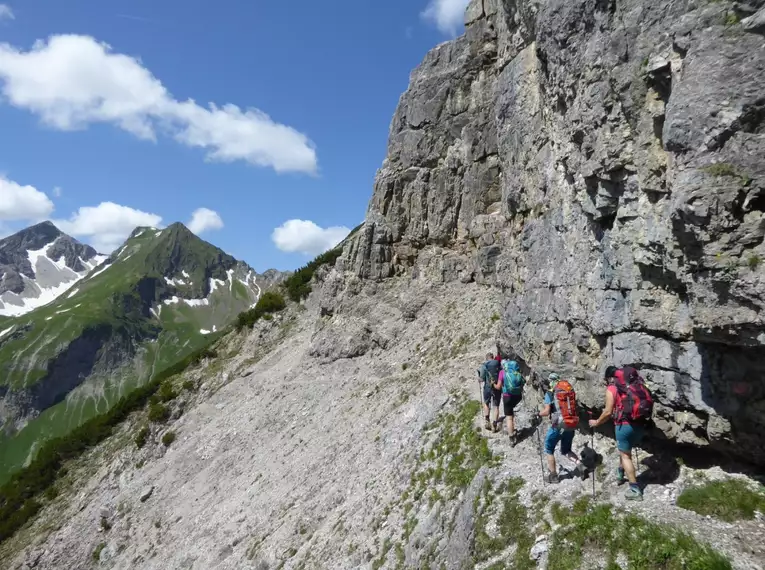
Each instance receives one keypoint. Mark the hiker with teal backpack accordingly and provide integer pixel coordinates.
(560, 406)
(512, 392)
(488, 378)
(630, 404)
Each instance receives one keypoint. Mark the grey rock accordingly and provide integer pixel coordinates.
(540, 548)
(146, 493)
(755, 22)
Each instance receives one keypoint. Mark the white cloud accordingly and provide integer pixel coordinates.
(447, 15)
(19, 202)
(204, 219)
(306, 237)
(107, 225)
(72, 81)
(57, 192)
(6, 13)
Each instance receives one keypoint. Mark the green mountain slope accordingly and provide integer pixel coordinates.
(154, 301)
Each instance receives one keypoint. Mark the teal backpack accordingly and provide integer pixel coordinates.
(513, 381)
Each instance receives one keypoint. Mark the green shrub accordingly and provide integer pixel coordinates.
(168, 438)
(189, 386)
(298, 285)
(725, 500)
(754, 261)
(167, 392)
(141, 437)
(158, 413)
(268, 303)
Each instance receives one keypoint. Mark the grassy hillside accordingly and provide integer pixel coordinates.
(156, 300)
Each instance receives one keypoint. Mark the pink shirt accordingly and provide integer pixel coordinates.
(617, 405)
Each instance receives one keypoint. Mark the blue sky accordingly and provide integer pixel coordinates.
(106, 120)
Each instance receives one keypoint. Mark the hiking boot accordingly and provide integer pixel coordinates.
(633, 494)
(620, 477)
(552, 478)
(497, 427)
(487, 424)
(513, 440)
(581, 470)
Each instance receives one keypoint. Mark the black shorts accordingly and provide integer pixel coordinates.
(491, 395)
(510, 401)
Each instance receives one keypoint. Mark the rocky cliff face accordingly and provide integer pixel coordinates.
(603, 164)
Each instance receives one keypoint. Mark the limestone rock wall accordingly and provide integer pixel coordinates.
(603, 163)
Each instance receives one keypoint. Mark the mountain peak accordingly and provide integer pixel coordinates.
(32, 268)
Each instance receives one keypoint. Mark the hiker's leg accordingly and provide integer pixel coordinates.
(497, 399)
(509, 415)
(624, 445)
(551, 440)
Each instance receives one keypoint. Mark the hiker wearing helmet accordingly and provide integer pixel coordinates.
(560, 406)
(512, 391)
(488, 378)
(629, 404)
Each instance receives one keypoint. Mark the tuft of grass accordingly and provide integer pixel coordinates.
(754, 261)
(725, 169)
(495, 317)
(158, 412)
(189, 386)
(729, 501)
(646, 545)
(97, 551)
(512, 526)
(141, 437)
(167, 392)
(731, 18)
(168, 438)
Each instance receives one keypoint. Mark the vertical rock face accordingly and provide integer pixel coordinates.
(604, 164)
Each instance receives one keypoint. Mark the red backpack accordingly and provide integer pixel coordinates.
(564, 398)
(634, 402)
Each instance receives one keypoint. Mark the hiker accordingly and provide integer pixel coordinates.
(488, 377)
(629, 404)
(560, 406)
(512, 392)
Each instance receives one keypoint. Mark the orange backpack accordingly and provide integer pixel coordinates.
(566, 416)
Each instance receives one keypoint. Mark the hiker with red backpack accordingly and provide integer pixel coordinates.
(630, 405)
(560, 406)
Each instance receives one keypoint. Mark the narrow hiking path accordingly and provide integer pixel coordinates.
(740, 541)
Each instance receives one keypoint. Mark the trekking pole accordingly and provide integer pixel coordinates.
(592, 446)
(541, 459)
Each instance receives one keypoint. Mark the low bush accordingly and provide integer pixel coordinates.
(168, 438)
(167, 392)
(141, 437)
(158, 412)
(298, 285)
(269, 302)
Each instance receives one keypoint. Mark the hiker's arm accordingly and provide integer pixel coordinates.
(545, 410)
(609, 409)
